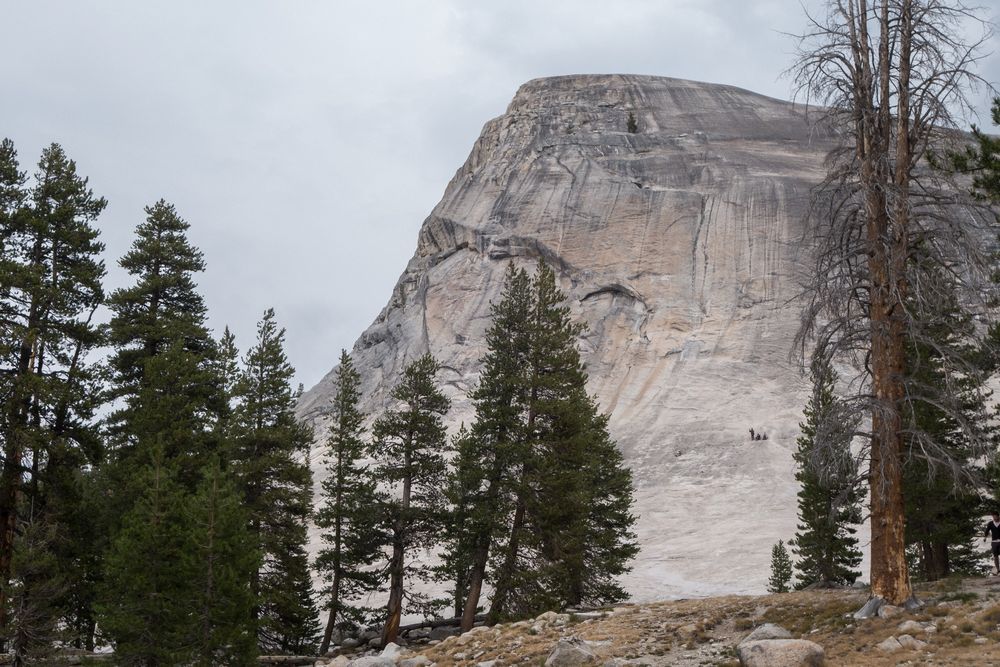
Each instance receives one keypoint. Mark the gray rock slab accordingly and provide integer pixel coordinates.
(680, 247)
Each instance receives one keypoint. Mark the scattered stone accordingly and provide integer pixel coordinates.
(889, 611)
(589, 615)
(487, 663)
(910, 627)
(981, 640)
(415, 661)
(930, 629)
(781, 653)
(570, 652)
(889, 645)
(372, 661)
(392, 651)
(908, 642)
(768, 631)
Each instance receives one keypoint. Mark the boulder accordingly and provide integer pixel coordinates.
(890, 645)
(910, 627)
(392, 651)
(911, 643)
(768, 631)
(372, 661)
(570, 652)
(889, 611)
(781, 653)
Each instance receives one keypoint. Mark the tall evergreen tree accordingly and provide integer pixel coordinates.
(482, 484)
(276, 483)
(221, 559)
(408, 445)
(145, 606)
(829, 496)
(50, 286)
(557, 550)
(352, 540)
(942, 516)
(161, 312)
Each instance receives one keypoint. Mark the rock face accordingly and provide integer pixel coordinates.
(680, 246)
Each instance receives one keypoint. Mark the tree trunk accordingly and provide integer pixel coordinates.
(506, 576)
(395, 606)
(476, 577)
(331, 620)
(889, 577)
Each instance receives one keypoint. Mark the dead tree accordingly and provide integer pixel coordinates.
(892, 238)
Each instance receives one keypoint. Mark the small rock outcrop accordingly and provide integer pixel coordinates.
(781, 653)
(768, 631)
(570, 652)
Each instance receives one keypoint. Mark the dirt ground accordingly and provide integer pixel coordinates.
(965, 615)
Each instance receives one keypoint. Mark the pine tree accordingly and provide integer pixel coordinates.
(408, 446)
(352, 541)
(146, 603)
(50, 286)
(943, 514)
(276, 484)
(163, 308)
(570, 532)
(482, 484)
(781, 569)
(609, 543)
(221, 559)
(829, 493)
(37, 589)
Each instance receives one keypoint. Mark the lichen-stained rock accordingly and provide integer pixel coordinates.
(681, 247)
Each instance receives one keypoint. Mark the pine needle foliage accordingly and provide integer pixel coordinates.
(408, 446)
(781, 569)
(351, 538)
(271, 448)
(829, 496)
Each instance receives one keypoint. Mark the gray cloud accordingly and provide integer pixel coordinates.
(306, 141)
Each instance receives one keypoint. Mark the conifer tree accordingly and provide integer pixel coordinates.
(408, 445)
(352, 540)
(221, 559)
(557, 550)
(829, 493)
(50, 286)
(163, 307)
(942, 516)
(276, 484)
(37, 589)
(482, 484)
(781, 569)
(145, 606)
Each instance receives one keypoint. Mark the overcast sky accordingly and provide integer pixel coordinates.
(305, 142)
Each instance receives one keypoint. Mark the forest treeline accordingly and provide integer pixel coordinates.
(156, 486)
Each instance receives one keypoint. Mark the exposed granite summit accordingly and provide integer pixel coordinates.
(679, 245)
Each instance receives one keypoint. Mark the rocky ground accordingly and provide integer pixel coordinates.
(958, 625)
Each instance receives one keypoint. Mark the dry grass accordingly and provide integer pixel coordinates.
(705, 632)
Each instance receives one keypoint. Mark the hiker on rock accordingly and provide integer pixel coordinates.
(992, 531)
